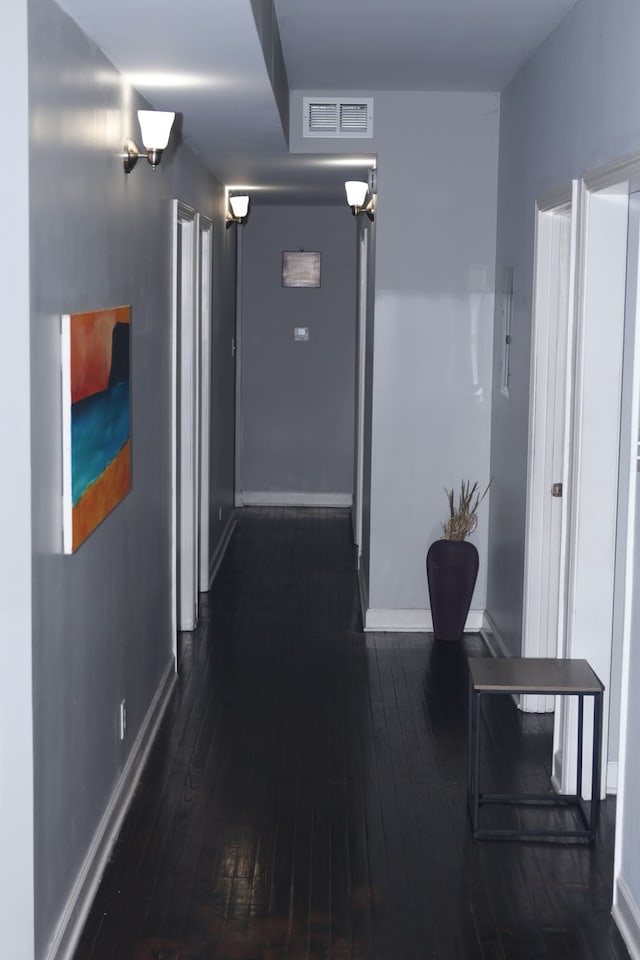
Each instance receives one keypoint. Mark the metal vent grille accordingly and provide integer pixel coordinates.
(343, 117)
(323, 117)
(354, 118)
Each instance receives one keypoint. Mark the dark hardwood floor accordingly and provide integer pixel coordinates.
(306, 795)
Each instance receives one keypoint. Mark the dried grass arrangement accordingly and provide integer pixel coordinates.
(463, 515)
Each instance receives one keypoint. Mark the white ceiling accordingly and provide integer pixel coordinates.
(202, 59)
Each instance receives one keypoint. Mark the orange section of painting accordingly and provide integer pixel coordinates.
(91, 350)
(102, 496)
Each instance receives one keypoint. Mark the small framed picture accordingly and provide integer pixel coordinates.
(301, 268)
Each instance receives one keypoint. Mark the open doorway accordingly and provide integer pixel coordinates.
(543, 629)
(595, 455)
(579, 562)
(205, 342)
(191, 421)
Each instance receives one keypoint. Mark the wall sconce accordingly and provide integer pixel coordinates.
(155, 126)
(238, 209)
(360, 196)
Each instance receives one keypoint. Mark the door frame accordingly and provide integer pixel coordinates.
(361, 346)
(204, 232)
(630, 464)
(183, 410)
(236, 353)
(595, 464)
(551, 374)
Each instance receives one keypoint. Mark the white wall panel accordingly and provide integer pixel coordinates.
(16, 727)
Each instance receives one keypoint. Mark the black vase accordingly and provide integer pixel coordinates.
(452, 570)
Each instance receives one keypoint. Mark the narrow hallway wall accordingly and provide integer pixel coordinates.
(297, 398)
(102, 616)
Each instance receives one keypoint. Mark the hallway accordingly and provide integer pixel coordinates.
(306, 795)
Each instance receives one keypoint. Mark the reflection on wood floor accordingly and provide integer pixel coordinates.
(306, 795)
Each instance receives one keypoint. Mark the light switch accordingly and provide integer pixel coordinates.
(301, 333)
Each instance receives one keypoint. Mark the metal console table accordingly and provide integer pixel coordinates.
(489, 676)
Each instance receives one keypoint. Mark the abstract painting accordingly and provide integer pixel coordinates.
(96, 418)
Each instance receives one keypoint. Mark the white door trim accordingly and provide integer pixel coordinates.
(236, 352)
(630, 461)
(549, 441)
(205, 321)
(361, 344)
(595, 459)
(183, 477)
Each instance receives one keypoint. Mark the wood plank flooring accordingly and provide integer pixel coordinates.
(306, 796)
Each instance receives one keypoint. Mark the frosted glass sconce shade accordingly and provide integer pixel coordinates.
(360, 197)
(356, 191)
(238, 209)
(239, 206)
(155, 126)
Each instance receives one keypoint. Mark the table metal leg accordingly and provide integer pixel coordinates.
(470, 744)
(597, 756)
(580, 743)
(476, 762)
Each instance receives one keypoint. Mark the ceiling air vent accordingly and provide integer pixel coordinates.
(344, 117)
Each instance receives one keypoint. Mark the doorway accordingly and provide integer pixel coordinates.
(578, 566)
(543, 629)
(205, 344)
(595, 461)
(191, 414)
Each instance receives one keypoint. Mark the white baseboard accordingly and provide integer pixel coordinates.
(496, 646)
(221, 549)
(412, 621)
(259, 498)
(74, 915)
(626, 913)
(492, 637)
(364, 595)
(611, 788)
(556, 771)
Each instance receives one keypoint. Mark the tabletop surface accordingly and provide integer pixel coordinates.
(533, 675)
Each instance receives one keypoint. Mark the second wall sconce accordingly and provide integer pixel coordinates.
(155, 126)
(238, 209)
(360, 196)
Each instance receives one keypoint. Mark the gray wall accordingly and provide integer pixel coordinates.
(572, 108)
(16, 740)
(433, 328)
(101, 618)
(297, 399)
(269, 33)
